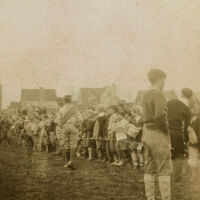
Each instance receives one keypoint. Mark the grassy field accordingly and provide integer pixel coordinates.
(46, 179)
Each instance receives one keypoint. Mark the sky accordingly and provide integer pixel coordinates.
(66, 44)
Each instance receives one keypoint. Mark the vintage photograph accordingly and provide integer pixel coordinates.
(99, 100)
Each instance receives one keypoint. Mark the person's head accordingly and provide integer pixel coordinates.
(128, 116)
(157, 78)
(68, 99)
(121, 115)
(186, 93)
(112, 109)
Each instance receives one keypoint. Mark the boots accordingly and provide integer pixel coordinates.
(149, 182)
(165, 187)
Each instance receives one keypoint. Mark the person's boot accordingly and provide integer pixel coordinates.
(165, 187)
(149, 182)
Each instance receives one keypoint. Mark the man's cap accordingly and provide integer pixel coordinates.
(187, 92)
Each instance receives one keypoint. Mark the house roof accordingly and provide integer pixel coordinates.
(34, 94)
(88, 94)
(168, 94)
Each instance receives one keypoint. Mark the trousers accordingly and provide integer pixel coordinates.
(157, 152)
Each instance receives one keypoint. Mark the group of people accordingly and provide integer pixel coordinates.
(34, 130)
(112, 135)
(157, 136)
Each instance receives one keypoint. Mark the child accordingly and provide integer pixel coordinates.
(111, 133)
(89, 131)
(107, 132)
(99, 133)
(84, 141)
(52, 134)
(121, 137)
(194, 147)
(28, 143)
(132, 133)
(138, 122)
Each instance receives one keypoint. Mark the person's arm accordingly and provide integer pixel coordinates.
(160, 116)
(96, 130)
(186, 125)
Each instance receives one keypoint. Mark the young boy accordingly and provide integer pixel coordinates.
(99, 133)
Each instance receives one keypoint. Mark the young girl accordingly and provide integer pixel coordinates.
(132, 132)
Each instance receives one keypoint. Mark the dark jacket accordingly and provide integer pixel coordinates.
(178, 114)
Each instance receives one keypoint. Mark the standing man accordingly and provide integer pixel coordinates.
(68, 118)
(156, 138)
(179, 119)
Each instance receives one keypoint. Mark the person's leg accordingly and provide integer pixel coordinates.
(99, 150)
(104, 154)
(119, 153)
(113, 151)
(177, 153)
(108, 152)
(141, 158)
(193, 162)
(134, 159)
(150, 167)
(90, 153)
(162, 155)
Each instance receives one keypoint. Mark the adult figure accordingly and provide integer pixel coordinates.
(68, 119)
(156, 138)
(179, 119)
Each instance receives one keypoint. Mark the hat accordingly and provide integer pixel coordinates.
(187, 93)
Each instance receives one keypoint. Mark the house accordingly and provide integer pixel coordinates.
(94, 96)
(39, 97)
(168, 94)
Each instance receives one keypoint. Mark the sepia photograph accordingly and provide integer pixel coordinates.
(99, 100)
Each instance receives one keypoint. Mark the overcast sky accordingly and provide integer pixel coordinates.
(92, 43)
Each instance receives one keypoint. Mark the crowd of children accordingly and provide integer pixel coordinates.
(34, 130)
(110, 135)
